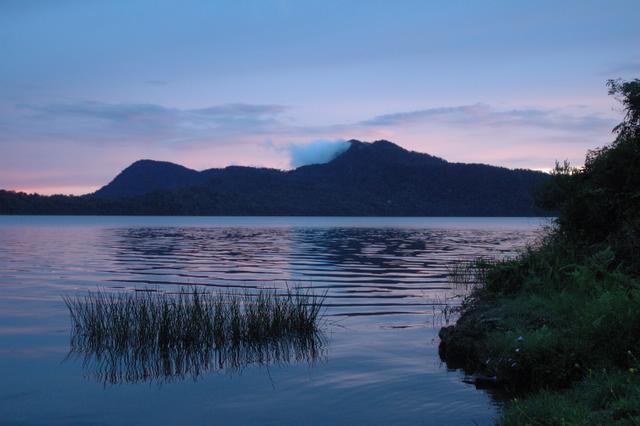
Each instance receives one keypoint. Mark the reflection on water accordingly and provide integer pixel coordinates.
(110, 364)
(376, 269)
(385, 281)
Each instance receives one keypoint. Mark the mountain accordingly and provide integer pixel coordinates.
(378, 178)
(145, 176)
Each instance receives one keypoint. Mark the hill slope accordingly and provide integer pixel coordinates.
(378, 178)
(145, 176)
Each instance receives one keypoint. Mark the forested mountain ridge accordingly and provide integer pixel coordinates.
(378, 178)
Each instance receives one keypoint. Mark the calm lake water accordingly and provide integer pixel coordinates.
(386, 281)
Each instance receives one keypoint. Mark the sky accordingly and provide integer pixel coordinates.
(88, 87)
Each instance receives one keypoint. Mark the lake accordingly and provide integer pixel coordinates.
(386, 284)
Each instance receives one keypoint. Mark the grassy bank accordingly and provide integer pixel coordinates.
(560, 325)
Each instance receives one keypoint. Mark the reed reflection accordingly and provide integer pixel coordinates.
(158, 337)
(156, 364)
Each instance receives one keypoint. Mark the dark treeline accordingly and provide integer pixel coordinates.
(368, 179)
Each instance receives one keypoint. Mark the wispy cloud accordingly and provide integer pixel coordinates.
(417, 116)
(485, 115)
(622, 69)
(156, 82)
(315, 152)
(133, 123)
(87, 121)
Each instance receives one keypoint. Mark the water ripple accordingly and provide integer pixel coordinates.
(362, 264)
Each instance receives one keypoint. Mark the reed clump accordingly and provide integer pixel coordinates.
(131, 336)
(193, 317)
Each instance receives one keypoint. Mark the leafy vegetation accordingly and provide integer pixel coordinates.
(560, 325)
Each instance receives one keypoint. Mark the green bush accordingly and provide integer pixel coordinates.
(560, 325)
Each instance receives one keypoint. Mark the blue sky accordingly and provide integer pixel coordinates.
(87, 87)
